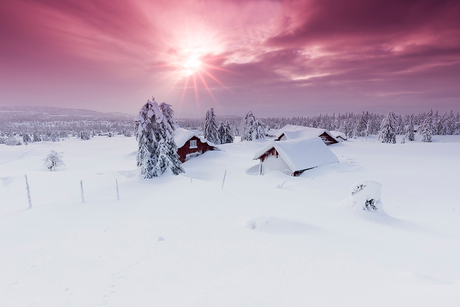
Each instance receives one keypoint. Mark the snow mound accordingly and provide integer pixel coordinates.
(276, 225)
(365, 196)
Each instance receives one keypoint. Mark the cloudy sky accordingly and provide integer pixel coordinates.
(276, 58)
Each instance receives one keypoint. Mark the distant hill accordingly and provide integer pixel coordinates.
(31, 113)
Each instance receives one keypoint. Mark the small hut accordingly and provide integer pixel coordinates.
(290, 132)
(293, 157)
(340, 136)
(190, 145)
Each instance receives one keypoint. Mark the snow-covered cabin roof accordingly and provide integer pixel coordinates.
(181, 136)
(299, 132)
(301, 154)
(337, 134)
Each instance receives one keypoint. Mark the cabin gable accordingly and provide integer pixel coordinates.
(193, 147)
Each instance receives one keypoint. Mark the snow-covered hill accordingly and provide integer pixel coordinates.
(184, 241)
(41, 113)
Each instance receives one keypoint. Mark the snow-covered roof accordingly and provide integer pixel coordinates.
(337, 134)
(299, 132)
(181, 136)
(301, 154)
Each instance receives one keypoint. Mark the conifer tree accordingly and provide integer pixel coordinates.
(248, 127)
(228, 133)
(388, 129)
(148, 138)
(210, 127)
(167, 156)
(410, 129)
(426, 129)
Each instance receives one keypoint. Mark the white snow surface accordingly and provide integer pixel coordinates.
(270, 240)
(299, 132)
(301, 154)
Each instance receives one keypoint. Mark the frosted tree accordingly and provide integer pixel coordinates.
(210, 127)
(157, 151)
(84, 135)
(388, 129)
(409, 135)
(361, 125)
(228, 137)
(259, 130)
(168, 159)
(426, 128)
(248, 127)
(54, 161)
(147, 135)
(26, 139)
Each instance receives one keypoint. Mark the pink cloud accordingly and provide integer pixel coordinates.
(294, 56)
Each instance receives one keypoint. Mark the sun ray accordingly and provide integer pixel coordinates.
(215, 79)
(206, 85)
(196, 91)
(218, 68)
(183, 92)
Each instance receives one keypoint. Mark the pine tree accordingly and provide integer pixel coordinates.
(258, 131)
(388, 129)
(410, 129)
(210, 127)
(157, 151)
(148, 138)
(168, 157)
(426, 129)
(248, 127)
(361, 126)
(228, 138)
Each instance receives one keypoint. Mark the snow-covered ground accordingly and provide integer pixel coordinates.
(184, 241)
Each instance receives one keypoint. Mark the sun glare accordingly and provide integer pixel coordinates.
(192, 65)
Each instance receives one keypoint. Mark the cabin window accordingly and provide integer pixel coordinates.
(193, 144)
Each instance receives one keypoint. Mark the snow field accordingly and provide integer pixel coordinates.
(172, 241)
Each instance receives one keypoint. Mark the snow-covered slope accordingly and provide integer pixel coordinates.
(184, 241)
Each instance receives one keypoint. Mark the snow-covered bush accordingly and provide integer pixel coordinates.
(54, 161)
(365, 196)
(12, 141)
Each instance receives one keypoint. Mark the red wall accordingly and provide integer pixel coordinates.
(185, 150)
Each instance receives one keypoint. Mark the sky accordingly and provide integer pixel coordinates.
(274, 58)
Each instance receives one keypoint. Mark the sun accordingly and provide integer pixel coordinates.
(191, 65)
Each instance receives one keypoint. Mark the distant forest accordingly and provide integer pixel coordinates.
(17, 131)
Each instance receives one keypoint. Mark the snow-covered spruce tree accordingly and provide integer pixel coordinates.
(210, 127)
(168, 159)
(259, 130)
(84, 135)
(54, 161)
(221, 133)
(361, 125)
(410, 129)
(426, 128)
(157, 151)
(26, 139)
(147, 135)
(228, 137)
(248, 127)
(225, 135)
(388, 129)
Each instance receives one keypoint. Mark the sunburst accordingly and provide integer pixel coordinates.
(192, 68)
